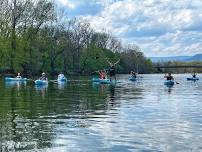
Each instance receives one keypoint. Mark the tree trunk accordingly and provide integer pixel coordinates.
(13, 37)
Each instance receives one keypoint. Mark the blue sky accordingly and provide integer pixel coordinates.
(158, 27)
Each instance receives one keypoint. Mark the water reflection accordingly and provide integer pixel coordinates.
(16, 84)
(42, 89)
(169, 88)
(112, 93)
(62, 85)
(92, 117)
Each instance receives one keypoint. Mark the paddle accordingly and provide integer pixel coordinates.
(30, 80)
(177, 82)
(53, 81)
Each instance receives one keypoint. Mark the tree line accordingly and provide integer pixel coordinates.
(36, 36)
(178, 70)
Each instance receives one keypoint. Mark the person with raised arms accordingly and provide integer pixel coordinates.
(112, 69)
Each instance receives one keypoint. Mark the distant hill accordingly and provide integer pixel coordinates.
(197, 57)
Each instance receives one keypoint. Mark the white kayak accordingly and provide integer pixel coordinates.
(41, 82)
(15, 79)
(64, 79)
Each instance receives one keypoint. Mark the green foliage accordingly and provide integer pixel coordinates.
(33, 39)
(179, 70)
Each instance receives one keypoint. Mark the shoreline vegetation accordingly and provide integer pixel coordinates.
(36, 37)
(179, 70)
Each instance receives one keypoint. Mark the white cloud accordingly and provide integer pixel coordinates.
(159, 27)
(66, 3)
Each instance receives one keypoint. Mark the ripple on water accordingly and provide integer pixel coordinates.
(141, 116)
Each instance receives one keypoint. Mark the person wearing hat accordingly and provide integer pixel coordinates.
(19, 76)
(43, 77)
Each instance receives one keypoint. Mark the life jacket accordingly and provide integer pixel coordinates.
(169, 77)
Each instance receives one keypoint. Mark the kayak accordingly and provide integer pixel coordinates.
(62, 79)
(132, 78)
(15, 79)
(105, 81)
(101, 81)
(192, 79)
(95, 79)
(169, 82)
(41, 82)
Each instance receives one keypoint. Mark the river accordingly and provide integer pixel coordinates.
(82, 116)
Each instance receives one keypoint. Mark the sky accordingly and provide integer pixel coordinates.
(158, 27)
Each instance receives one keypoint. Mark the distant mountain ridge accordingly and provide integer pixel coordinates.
(197, 57)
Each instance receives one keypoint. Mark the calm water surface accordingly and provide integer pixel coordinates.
(81, 116)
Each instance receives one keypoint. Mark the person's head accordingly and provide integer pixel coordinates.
(61, 72)
(169, 74)
(43, 74)
(18, 74)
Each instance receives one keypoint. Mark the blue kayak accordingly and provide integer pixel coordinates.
(105, 81)
(101, 81)
(15, 79)
(132, 78)
(41, 82)
(95, 79)
(169, 82)
(192, 79)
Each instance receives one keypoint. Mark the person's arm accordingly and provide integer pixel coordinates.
(117, 62)
(108, 62)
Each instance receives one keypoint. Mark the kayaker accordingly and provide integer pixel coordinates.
(102, 74)
(194, 75)
(169, 76)
(61, 76)
(43, 77)
(19, 76)
(112, 70)
(133, 74)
